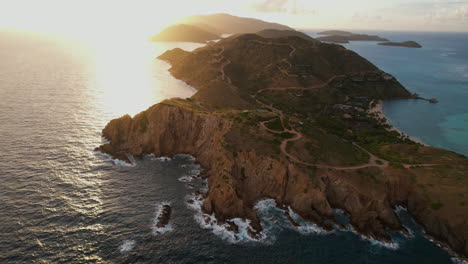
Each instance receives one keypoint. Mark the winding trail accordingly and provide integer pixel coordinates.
(293, 49)
(374, 161)
(224, 76)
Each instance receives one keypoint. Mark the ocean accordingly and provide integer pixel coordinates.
(60, 202)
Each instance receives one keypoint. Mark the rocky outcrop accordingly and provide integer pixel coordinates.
(164, 216)
(240, 178)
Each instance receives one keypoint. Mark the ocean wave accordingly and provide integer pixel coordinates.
(127, 246)
(306, 227)
(375, 242)
(398, 211)
(117, 162)
(186, 179)
(273, 221)
(185, 156)
(453, 256)
(154, 158)
(222, 230)
(457, 260)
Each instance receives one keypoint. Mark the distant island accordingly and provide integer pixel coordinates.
(184, 33)
(342, 37)
(407, 44)
(203, 28)
(229, 24)
(298, 121)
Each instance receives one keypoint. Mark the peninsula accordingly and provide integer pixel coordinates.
(290, 119)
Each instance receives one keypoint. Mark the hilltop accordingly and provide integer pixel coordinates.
(229, 24)
(275, 33)
(184, 33)
(291, 119)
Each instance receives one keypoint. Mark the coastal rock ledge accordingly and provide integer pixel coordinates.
(241, 171)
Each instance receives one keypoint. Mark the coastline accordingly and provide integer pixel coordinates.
(378, 110)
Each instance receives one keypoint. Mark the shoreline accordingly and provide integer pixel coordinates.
(378, 110)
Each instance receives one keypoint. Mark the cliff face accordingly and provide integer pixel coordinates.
(285, 119)
(240, 178)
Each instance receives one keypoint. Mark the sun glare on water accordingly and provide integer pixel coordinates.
(125, 76)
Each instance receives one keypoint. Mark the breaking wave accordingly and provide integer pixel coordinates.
(117, 162)
(127, 246)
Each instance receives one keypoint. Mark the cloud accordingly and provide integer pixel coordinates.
(462, 12)
(294, 7)
(271, 6)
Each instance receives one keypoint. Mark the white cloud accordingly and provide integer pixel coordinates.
(462, 13)
(295, 7)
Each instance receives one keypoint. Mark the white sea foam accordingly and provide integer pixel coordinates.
(105, 141)
(375, 242)
(195, 172)
(122, 163)
(189, 186)
(210, 222)
(306, 227)
(186, 179)
(339, 211)
(116, 162)
(186, 156)
(455, 259)
(204, 186)
(127, 246)
(160, 230)
(163, 159)
(398, 210)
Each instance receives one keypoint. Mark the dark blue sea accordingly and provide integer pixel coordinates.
(60, 202)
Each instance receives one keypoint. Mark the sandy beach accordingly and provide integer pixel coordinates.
(378, 110)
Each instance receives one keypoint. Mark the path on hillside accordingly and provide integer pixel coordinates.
(293, 49)
(224, 76)
(374, 161)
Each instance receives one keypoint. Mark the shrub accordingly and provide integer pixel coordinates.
(436, 205)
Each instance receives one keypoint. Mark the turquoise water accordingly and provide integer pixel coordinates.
(440, 70)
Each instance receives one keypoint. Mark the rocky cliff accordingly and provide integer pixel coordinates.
(240, 177)
(292, 126)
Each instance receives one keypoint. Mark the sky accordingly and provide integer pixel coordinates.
(142, 18)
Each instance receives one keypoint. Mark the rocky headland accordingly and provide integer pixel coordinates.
(286, 119)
